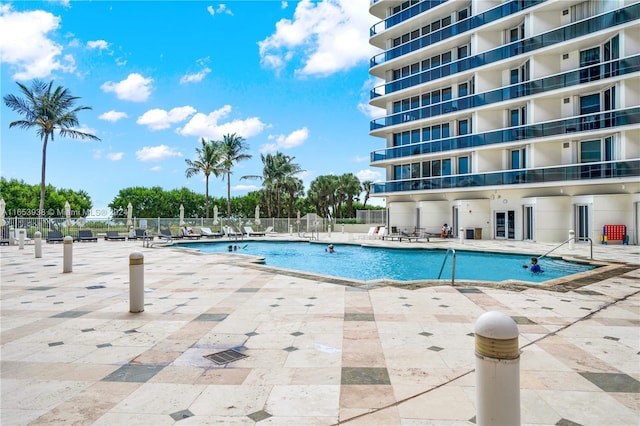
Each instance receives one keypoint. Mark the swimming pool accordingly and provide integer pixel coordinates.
(373, 263)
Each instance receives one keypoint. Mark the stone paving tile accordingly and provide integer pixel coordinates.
(320, 350)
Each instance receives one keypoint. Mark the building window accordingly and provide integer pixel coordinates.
(518, 116)
(463, 51)
(463, 165)
(515, 33)
(596, 150)
(520, 74)
(464, 127)
(518, 159)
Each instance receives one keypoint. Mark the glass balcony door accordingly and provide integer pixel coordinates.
(505, 225)
(582, 222)
(528, 228)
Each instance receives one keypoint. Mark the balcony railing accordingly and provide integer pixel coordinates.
(554, 82)
(460, 27)
(589, 122)
(568, 32)
(579, 172)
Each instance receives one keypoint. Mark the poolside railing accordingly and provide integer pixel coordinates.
(453, 265)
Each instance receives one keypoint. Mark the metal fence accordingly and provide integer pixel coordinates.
(305, 224)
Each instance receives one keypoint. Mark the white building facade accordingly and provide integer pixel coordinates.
(508, 119)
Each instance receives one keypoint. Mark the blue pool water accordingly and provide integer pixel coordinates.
(371, 263)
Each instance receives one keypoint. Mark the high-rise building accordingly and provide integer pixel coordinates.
(508, 119)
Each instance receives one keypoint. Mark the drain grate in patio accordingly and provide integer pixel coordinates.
(225, 357)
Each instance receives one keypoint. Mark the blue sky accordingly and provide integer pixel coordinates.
(160, 75)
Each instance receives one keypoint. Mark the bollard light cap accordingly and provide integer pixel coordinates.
(496, 325)
(67, 240)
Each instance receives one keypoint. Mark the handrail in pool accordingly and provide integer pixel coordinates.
(565, 242)
(453, 265)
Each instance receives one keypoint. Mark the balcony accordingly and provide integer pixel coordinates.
(590, 122)
(579, 172)
(554, 82)
(578, 29)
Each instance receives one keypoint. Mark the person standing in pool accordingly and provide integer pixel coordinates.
(535, 268)
(330, 249)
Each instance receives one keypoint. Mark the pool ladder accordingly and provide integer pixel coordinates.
(453, 265)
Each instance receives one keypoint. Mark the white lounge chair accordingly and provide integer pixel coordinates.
(250, 232)
(381, 232)
(232, 233)
(206, 232)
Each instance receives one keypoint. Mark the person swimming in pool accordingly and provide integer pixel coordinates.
(535, 268)
(330, 249)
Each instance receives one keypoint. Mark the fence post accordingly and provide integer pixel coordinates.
(67, 254)
(37, 243)
(497, 370)
(136, 282)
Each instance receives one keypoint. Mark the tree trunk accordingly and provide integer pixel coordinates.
(206, 194)
(43, 182)
(228, 196)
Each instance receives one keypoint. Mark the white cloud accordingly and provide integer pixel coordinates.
(113, 116)
(195, 78)
(208, 126)
(245, 188)
(361, 159)
(158, 119)
(135, 88)
(364, 107)
(98, 44)
(295, 138)
(328, 36)
(368, 174)
(222, 8)
(25, 45)
(371, 111)
(284, 4)
(156, 153)
(155, 168)
(115, 156)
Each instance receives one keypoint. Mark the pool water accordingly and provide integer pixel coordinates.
(372, 263)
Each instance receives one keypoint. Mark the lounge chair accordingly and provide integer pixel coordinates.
(55, 237)
(189, 233)
(206, 232)
(86, 235)
(166, 234)
(270, 230)
(232, 233)
(114, 236)
(141, 234)
(251, 233)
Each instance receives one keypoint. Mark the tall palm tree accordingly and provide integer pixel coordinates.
(207, 163)
(294, 188)
(232, 149)
(48, 110)
(366, 186)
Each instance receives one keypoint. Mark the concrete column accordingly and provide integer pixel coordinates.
(21, 235)
(37, 243)
(136, 282)
(497, 370)
(67, 254)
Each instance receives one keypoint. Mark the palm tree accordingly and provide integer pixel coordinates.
(207, 162)
(48, 110)
(350, 187)
(294, 188)
(366, 186)
(232, 150)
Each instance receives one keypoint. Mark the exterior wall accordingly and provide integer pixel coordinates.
(612, 210)
(475, 214)
(402, 215)
(553, 218)
(433, 214)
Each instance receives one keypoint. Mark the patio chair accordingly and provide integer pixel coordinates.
(55, 237)
(142, 234)
(86, 235)
(114, 236)
(206, 232)
(166, 234)
(232, 233)
(251, 233)
(189, 233)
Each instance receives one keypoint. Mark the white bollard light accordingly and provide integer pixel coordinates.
(37, 243)
(572, 239)
(136, 282)
(461, 235)
(21, 235)
(67, 254)
(497, 370)
(329, 231)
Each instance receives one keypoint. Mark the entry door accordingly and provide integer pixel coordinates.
(501, 225)
(528, 230)
(582, 222)
(505, 225)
